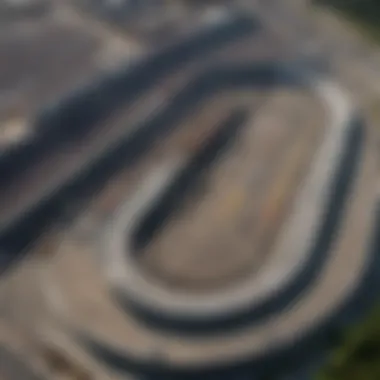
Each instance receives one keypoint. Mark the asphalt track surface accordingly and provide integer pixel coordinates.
(73, 122)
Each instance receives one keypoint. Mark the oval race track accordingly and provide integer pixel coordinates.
(111, 308)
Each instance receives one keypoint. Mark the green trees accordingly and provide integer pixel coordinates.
(364, 13)
(365, 10)
(358, 356)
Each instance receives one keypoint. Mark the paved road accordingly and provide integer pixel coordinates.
(14, 368)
